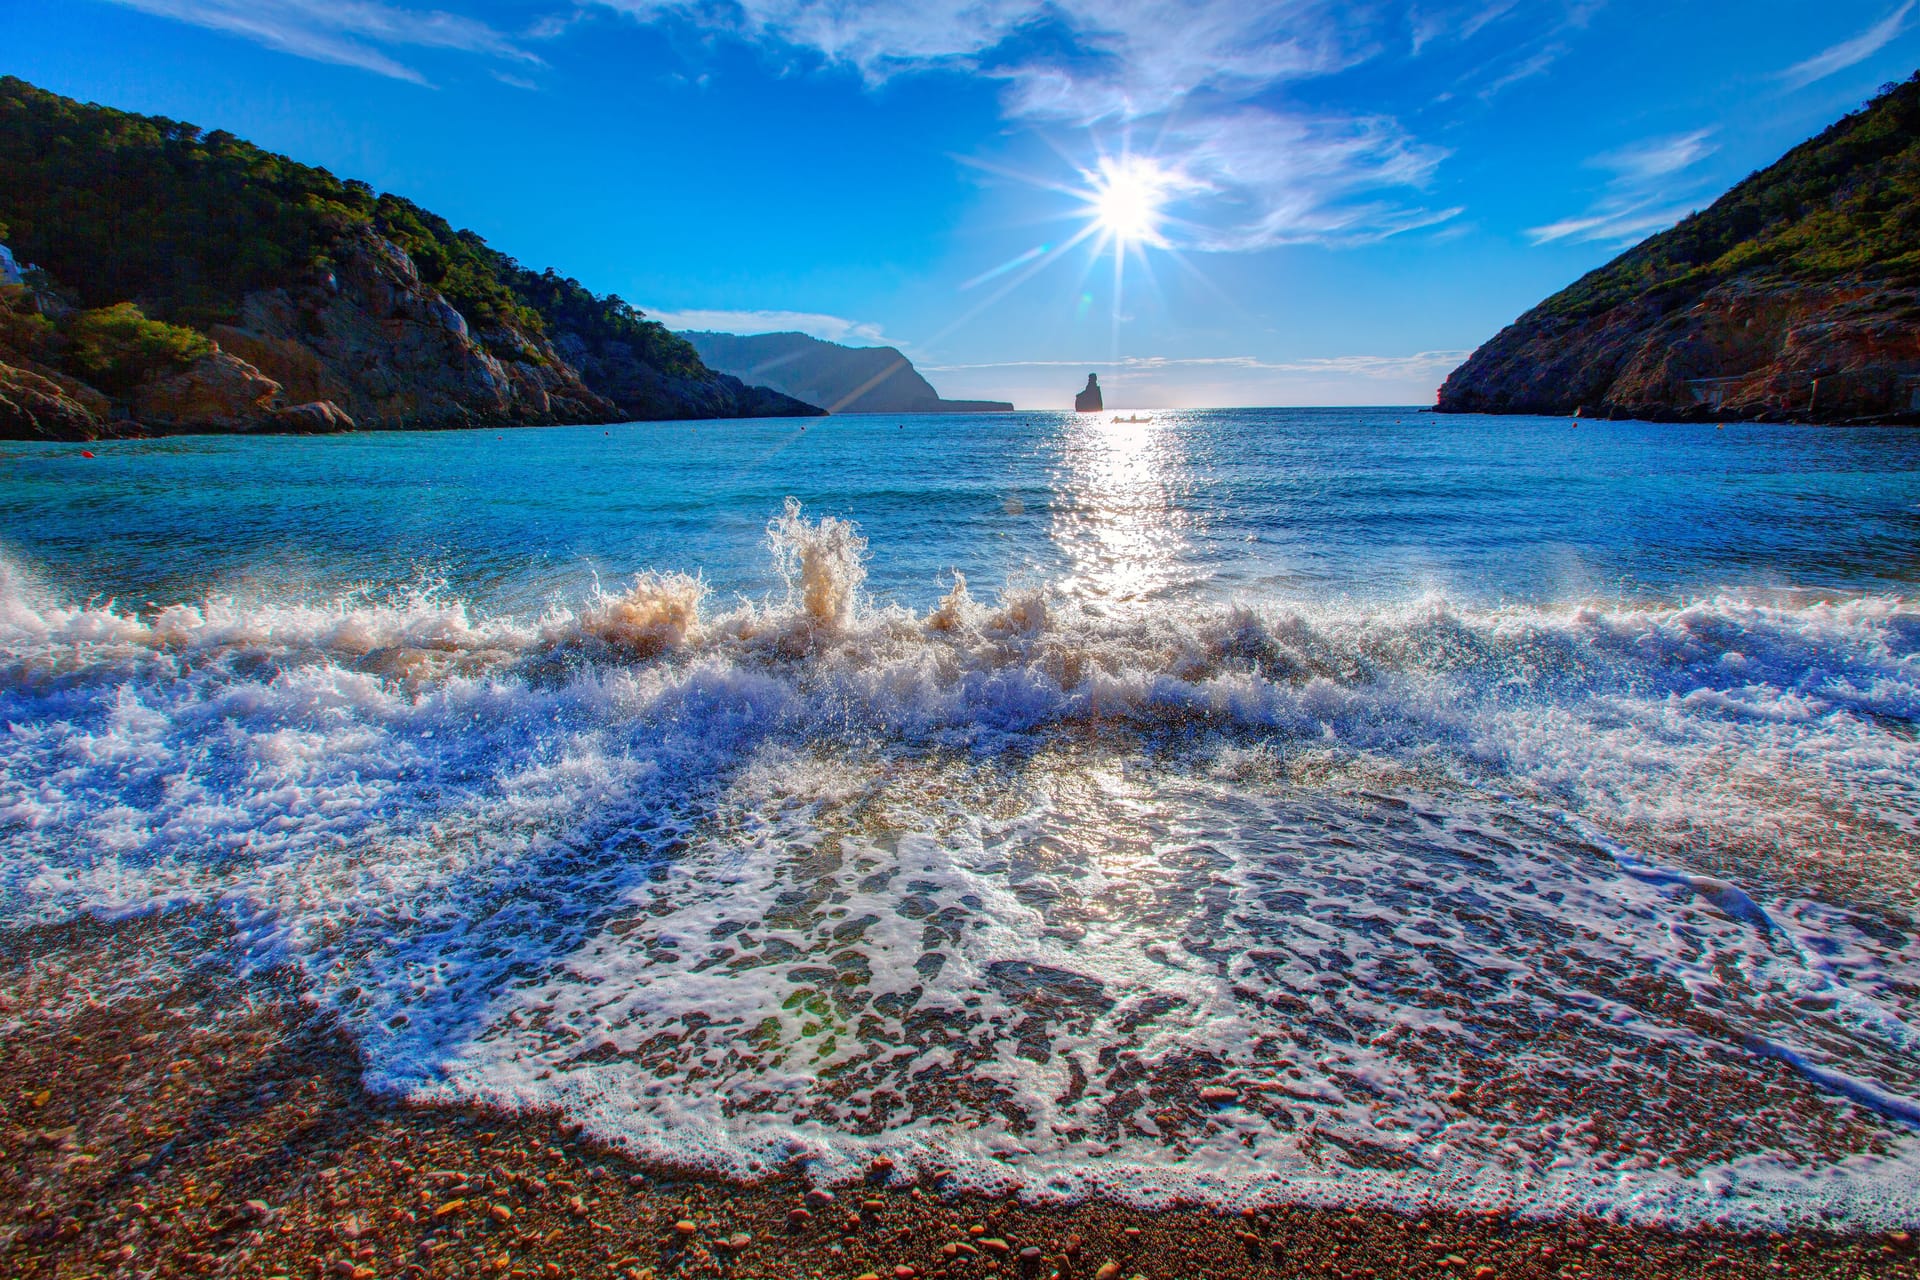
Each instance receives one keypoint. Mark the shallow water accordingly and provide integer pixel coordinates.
(1478, 810)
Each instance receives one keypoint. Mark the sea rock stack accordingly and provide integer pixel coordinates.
(1089, 401)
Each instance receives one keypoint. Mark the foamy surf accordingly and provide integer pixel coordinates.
(1559, 909)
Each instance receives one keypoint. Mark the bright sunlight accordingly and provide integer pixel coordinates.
(1127, 197)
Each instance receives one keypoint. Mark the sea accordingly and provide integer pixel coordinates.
(1354, 806)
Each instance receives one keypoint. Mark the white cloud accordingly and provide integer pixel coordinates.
(1849, 53)
(1200, 79)
(1646, 193)
(352, 33)
(830, 328)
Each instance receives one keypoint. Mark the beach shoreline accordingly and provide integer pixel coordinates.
(166, 1115)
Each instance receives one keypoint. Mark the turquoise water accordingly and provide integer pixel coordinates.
(1502, 810)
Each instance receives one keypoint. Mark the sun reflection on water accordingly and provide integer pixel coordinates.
(1118, 514)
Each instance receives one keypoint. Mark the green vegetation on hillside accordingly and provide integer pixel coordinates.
(1846, 203)
(120, 207)
(568, 306)
(116, 348)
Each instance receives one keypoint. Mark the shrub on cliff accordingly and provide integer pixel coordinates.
(118, 347)
(23, 330)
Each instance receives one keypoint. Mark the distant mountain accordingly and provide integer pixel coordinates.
(840, 379)
(189, 281)
(1795, 296)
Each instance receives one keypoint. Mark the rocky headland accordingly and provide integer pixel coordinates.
(1794, 297)
(164, 279)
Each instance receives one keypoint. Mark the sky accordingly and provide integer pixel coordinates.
(1221, 202)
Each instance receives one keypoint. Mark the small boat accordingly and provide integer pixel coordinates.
(1135, 418)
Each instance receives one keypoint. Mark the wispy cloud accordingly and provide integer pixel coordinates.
(1850, 53)
(1428, 26)
(1167, 381)
(816, 324)
(1205, 81)
(351, 33)
(1646, 193)
(1303, 178)
(1657, 157)
(1612, 222)
(1537, 64)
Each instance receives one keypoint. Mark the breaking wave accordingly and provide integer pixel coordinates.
(1586, 908)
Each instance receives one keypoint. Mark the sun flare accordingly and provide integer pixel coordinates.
(1127, 199)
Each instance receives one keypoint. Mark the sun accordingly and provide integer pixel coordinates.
(1126, 198)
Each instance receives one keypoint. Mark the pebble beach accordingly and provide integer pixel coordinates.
(166, 1116)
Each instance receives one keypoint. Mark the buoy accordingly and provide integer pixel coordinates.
(86, 453)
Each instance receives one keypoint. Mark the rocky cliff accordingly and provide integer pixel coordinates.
(1796, 296)
(842, 379)
(368, 335)
(188, 281)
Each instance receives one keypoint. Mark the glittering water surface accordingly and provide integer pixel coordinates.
(1336, 805)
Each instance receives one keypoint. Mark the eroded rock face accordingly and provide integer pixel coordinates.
(303, 376)
(390, 351)
(34, 406)
(219, 392)
(318, 417)
(1843, 352)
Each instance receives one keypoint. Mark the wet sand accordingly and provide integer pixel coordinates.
(160, 1116)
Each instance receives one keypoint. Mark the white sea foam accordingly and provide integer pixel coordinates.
(1558, 907)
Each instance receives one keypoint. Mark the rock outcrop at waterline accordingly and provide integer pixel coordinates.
(189, 281)
(1796, 297)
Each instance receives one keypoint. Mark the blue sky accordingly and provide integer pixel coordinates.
(1329, 202)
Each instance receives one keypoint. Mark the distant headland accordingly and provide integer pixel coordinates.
(840, 379)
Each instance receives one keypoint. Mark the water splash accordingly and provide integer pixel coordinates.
(1009, 881)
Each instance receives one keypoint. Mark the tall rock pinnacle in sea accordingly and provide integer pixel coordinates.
(1089, 401)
